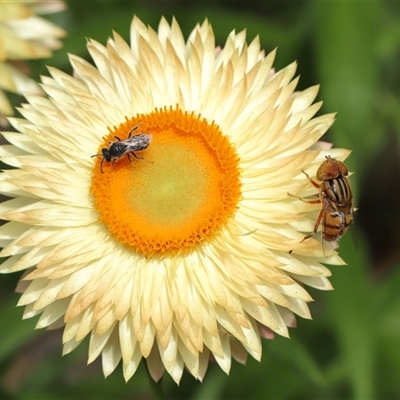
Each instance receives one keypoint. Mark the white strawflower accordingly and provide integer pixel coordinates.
(23, 36)
(191, 252)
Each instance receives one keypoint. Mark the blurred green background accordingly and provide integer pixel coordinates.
(351, 350)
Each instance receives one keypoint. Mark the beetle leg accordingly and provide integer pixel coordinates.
(129, 157)
(116, 137)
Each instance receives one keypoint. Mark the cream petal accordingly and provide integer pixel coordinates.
(177, 372)
(154, 364)
(22, 141)
(106, 321)
(33, 292)
(11, 155)
(233, 106)
(52, 313)
(295, 291)
(7, 265)
(132, 365)
(213, 343)
(98, 343)
(231, 325)
(320, 283)
(300, 308)
(238, 352)
(127, 339)
(47, 212)
(86, 324)
(12, 230)
(169, 354)
(71, 327)
(225, 360)
(162, 318)
(111, 354)
(204, 358)
(123, 50)
(35, 29)
(287, 316)
(253, 341)
(147, 340)
(298, 265)
(29, 312)
(208, 67)
(282, 327)
(138, 28)
(58, 324)
(49, 293)
(177, 81)
(70, 346)
(270, 292)
(261, 314)
(75, 282)
(123, 302)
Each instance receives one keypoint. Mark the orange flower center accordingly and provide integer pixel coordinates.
(179, 194)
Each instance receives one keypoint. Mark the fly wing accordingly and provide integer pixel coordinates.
(331, 231)
(353, 228)
(329, 247)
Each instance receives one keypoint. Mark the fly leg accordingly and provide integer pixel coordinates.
(317, 223)
(316, 201)
(315, 184)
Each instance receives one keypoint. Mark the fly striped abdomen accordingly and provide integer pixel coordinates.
(337, 199)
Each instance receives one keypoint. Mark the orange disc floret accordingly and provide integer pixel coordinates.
(179, 194)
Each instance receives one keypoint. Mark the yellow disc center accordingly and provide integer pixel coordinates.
(180, 193)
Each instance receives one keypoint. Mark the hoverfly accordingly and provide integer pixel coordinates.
(336, 198)
(129, 146)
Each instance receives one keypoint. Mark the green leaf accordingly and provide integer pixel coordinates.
(348, 68)
(352, 323)
(14, 332)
